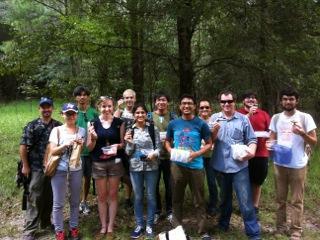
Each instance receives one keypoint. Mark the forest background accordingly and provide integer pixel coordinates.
(47, 47)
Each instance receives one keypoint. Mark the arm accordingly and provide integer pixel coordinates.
(122, 132)
(309, 137)
(23, 151)
(206, 147)
(156, 152)
(92, 137)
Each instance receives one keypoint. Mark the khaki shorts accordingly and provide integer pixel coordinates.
(108, 168)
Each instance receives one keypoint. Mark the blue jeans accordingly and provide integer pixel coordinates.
(60, 181)
(144, 180)
(212, 187)
(241, 183)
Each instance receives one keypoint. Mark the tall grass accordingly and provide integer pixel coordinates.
(14, 117)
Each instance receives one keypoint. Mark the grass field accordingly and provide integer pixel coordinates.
(15, 115)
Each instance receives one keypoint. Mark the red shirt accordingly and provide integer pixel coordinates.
(260, 121)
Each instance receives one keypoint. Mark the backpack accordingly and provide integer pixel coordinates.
(150, 126)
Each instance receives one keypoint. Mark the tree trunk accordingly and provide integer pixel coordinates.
(137, 58)
(185, 32)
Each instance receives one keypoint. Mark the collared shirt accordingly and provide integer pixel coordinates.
(35, 136)
(143, 145)
(82, 121)
(236, 130)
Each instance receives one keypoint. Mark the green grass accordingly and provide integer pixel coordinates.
(14, 117)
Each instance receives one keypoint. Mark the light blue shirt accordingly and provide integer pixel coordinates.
(236, 130)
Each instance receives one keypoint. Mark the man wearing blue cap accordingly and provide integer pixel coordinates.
(32, 151)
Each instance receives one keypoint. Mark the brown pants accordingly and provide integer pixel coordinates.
(294, 179)
(181, 177)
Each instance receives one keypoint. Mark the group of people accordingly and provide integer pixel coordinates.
(123, 141)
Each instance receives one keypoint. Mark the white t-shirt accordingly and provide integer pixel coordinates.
(287, 138)
(66, 137)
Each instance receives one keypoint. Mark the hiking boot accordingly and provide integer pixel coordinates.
(149, 232)
(60, 235)
(74, 234)
(84, 208)
(137, 232)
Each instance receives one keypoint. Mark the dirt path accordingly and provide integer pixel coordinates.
(12, 218)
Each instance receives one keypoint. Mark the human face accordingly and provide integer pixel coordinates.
(161, 103)
(204, 109)
(46, 111)
(83, 99)
(227, 104)
(140, 115)
(70, 117)
(106, 107)
(250, 101)
(289, 103)
(129, 99)
(187, 106)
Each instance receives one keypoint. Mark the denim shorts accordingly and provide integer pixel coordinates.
(108, 168)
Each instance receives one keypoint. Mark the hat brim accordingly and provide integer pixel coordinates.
(45, 103)
(70, 110)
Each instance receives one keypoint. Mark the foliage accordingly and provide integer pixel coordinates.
(110, 45)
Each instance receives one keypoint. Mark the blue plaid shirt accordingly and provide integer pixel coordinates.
(236, 130)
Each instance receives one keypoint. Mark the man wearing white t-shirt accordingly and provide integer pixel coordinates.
(291, 129)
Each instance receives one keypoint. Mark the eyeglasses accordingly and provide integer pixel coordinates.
(204, 107)
(226, 101)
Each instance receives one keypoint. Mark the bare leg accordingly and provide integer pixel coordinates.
(256, 193)
(112, 200)
(102, 185)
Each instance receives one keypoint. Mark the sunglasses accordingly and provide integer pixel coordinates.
(105, 97)
(226, 101)
(70, 113)
(204, 107)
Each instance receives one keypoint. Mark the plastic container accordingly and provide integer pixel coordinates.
(281, 154)
(109, 150)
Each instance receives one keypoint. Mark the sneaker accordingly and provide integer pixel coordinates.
(206, 236)
(60, 235)
(149, 232)
(137, 232)
(74, 234)
(84, 208)
(156, 218)
(170, 218)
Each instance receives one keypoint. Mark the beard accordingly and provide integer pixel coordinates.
(288, 108)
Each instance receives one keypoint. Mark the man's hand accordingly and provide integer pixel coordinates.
(297, 129)
(25, 170)
(192, 156)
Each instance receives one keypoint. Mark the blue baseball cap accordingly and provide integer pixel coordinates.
(69, 107)
(45, 100)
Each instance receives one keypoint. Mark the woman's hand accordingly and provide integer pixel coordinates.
(92, 133)
(152, 156)
(128, 136)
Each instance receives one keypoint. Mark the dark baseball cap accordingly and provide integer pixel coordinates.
(45, 100)
(69, 107)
